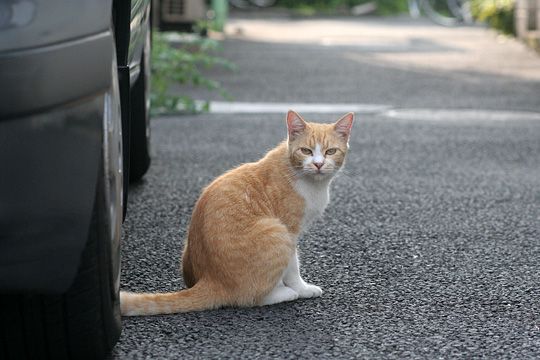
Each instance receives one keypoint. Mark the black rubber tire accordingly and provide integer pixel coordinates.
(139, 142)
(84, 322)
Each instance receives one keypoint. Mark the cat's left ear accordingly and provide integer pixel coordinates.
(344, 124)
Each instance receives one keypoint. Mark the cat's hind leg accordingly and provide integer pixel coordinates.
(254, 262)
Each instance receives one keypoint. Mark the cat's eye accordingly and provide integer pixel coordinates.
(331, 151)
(306, 151)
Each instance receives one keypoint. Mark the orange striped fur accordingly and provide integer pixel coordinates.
(241, 245)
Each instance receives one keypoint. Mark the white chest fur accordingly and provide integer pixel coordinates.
(316, 197)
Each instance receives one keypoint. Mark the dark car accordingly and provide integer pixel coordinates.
(74, 129)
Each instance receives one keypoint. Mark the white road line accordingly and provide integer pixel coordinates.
(460, 115)
(413, 114)
(222, 107)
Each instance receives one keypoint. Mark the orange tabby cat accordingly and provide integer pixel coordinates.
(241, 246)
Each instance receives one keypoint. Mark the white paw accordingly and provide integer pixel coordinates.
(280, 294)
(308, 291)
(290, 294)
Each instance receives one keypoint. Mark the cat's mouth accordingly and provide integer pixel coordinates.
(316, 173)
(321, 173)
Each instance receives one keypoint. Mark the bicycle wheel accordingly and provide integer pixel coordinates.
(447, 12)
(263, 3)
(240, 4)
(463, 8)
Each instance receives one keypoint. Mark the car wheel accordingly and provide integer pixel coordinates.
(140, 117)
(84, 322)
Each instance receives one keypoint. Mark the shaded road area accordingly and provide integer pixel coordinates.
(392, 61)
(430, 245)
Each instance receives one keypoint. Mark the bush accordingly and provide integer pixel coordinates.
(498, 14)
(384, 7)
(183, 65)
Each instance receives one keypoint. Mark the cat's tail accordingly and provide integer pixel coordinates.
(197, 298)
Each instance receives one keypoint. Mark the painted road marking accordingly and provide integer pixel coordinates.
(418, 114)
(222, 107)
(460, 115)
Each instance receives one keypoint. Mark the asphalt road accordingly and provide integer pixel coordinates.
(392, 61)
(428, 249)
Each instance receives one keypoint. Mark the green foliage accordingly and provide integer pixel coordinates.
(312, 7)
(499, 14)
(312, 4)
(183, 65)
(391, 7)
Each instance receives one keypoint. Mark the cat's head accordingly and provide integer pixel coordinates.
(318, 150)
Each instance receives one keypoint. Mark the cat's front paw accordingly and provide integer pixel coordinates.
(309, 291)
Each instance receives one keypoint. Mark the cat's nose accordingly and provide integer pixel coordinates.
(318, 165)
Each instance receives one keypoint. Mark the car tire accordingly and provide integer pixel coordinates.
(84, 322)
(139, 142)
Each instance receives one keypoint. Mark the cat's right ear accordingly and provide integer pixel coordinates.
(295, 124)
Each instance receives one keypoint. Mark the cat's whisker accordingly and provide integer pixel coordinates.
(348, 172)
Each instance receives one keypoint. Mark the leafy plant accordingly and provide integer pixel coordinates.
(498, 14)
(312, 7)
(183, 65)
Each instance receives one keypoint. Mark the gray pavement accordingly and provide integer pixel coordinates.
(394, 61)
(430, 246)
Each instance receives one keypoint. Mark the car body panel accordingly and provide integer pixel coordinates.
(55, 69)
(35, 23)
(54, 73)
(51, 125)
(47, 194)
(39, 78)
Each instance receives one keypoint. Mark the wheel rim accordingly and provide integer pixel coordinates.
(112, 153)
(147, 70)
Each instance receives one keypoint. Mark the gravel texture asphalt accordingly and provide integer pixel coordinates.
(393, 61)
(428, 249)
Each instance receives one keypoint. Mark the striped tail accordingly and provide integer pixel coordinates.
(197, 298)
